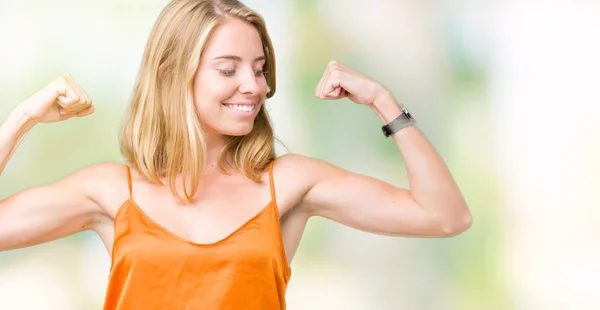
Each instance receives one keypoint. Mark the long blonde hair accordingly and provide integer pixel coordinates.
(162, 135)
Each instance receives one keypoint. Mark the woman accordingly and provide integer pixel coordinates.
(203, 215)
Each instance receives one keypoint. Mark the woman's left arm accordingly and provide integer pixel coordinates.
(434, 205)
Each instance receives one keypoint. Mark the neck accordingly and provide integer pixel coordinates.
(214, 145)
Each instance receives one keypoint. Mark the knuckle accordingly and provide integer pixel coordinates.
(66, 78)
(73, 102)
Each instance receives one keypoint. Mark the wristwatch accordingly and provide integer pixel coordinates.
(402, 121)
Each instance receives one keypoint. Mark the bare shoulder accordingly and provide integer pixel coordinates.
(104, 182)
(305, 169)
(295, 175)
(99, 173)
(292, 160)
(294, 168)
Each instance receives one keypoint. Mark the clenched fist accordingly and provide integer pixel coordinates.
(340, 81)
(62, 99)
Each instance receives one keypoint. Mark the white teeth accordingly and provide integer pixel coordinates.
(243, 108)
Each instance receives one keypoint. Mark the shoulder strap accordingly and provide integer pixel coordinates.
(272, 182)
(129, 181)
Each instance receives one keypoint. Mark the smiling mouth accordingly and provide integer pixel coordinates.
(241, 107)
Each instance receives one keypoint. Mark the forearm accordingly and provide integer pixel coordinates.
(431, 183)
(12, 131)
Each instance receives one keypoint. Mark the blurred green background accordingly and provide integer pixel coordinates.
(506, 91)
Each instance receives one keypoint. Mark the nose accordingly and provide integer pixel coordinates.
(249, 83)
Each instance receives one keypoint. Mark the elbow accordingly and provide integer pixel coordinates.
(457, 225)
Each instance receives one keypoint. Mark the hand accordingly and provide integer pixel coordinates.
(60, 100)
(341, 81)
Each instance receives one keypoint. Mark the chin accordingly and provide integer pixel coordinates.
(238, 131)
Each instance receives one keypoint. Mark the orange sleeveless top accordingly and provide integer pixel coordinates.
(152, 268)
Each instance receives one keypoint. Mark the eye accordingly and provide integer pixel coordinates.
(227, 72)
(260, 72)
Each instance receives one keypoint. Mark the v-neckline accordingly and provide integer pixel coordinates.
(130, 201)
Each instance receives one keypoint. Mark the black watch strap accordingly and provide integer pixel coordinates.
(402, 121)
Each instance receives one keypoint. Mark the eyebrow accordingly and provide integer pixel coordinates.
(238, 58)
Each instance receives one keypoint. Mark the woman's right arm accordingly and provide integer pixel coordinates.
(49, 212)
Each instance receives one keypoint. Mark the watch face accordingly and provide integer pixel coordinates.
(405, 111)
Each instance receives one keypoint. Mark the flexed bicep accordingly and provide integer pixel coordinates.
(370, 204)
(44, 213)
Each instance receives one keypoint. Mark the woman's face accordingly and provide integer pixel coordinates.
(230, 85)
